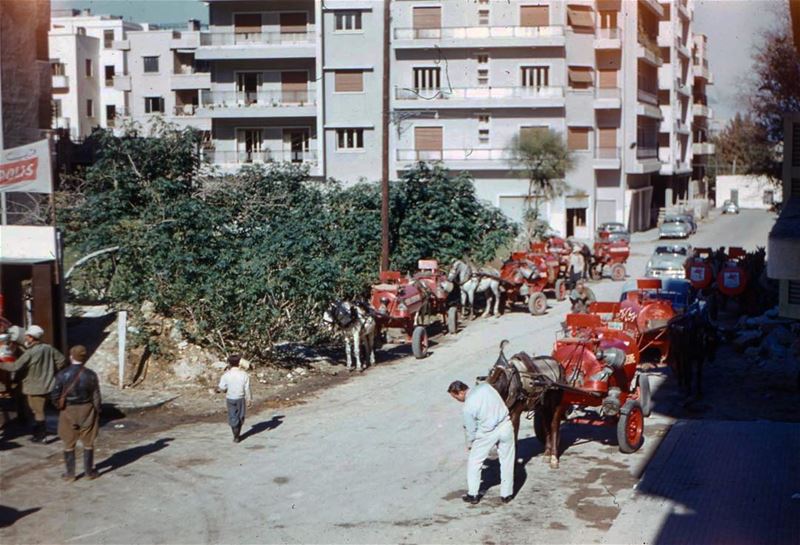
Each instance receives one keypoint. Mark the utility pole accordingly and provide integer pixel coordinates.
(385, 146)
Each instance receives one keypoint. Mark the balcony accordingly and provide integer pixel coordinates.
(646, 152)
(703, 148)
(647, 51)
(607, 158)
(122, 82)
(680, 45)
(607, 98)
(460, 158)
(681, 127)
(121, 45)
(222, 45)
(186, 39)
(273, 103)
(190, 81)
(221, 157)
(647, 97)
(608, 38)
(701, 110)
(702, 72)
(479, 97)
(646, 160)
(479, 36)
(60, 82)
(683, 87)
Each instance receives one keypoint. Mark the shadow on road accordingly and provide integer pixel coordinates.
(89, 331)
(131, 455)
(270, 424)
(526, 449)
(9, 515)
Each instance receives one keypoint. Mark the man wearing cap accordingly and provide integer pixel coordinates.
(486, 424)
(235, 382)
(39, 364)
(77, 395)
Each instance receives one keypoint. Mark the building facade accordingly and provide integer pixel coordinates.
(303, 82)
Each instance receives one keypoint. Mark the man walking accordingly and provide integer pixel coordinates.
(235, 382)
(76, 395)
(486, 423)
(40, 363)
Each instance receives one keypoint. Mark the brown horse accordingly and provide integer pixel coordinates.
(530, 384)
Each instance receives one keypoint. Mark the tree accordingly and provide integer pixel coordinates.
(743, 144)
(545, 160)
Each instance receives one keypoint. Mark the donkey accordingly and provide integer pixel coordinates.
(531, 384)
(485, 280)
(353, 320)
(693, 341)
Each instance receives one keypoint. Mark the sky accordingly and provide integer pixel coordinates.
(733, 27)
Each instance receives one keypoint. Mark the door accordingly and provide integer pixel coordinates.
(294, 26)
(294, 87)
(605, 212)
(735, 196)
(607, 143)
(428, 143)
(249, 145)
(247, 28)
(296, 142)
(247, 84)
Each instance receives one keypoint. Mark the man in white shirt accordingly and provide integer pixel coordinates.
(486, 423)
(235, 382)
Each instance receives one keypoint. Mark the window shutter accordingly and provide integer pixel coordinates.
(428, 138)
(294, 86)
(580, 78)
(580, 17)
(245, 23)
(578, 138)
(534, 16)
(425, 18)
(351, 81)
(293, 23)
(531, 132)
(607, 79)
(607, 137)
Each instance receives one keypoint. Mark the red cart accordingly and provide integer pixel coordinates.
(609, 257)
(524, 279)
(399, 304)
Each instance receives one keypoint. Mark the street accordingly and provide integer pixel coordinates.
(377, 459)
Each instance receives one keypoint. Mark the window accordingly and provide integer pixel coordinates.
(428, 142)
(483, 136)
(484, 119)
(535, 76)
(57, 68)
(427, 22)
(153, 105)
(483, 77)
(483, 17)
(578, 138)
(483, 2)
(294, 23)
(483, 58)
(347, 21)
(87, 67)
(608, 19)
(349, 139)
(111, 114)
(108, 39)
(581, 17)
(89, 107)
(57, 111)
(534, 15)
(150, 64)
(349, 81)
(109, 73)
(427, 79)
(580, 77)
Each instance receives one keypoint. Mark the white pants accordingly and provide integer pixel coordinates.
(503, 437)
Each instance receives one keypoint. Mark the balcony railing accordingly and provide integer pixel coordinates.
(185, 110)
(609, 33)
(260, 156)
(607, 153)
(647, 96)
(477, 32)
(456, 154)
(256, 38)
(257, 99)
(607, 92)
(646, 152)
(405, 93)
(60, 81)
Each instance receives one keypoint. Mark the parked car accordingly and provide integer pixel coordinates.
(617, 231)
(688, 218)
(730, 207)
(669, 261)
(674, 228)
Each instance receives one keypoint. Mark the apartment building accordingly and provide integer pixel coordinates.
(702, 149)
(84, 61)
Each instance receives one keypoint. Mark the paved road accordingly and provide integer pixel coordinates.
(378, 459)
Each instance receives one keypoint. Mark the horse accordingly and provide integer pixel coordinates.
(353, 320)
(693, 341)
(531, 384)
(471, 282)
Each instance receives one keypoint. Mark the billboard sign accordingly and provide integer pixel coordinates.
(26, 168)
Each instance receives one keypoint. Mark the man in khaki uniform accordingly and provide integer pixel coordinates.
(77, 395)
(38, 364)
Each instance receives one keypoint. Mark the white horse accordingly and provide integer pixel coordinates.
(484, 280)
(355, 322)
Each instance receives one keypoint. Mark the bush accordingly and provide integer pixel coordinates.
(250, 260)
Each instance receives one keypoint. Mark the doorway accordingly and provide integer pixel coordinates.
(296, 142)
(247, 85)
(248, 142)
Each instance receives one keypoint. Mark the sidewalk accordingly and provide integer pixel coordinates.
(717, 482)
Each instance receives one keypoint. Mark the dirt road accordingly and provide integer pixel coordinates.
(377, 459)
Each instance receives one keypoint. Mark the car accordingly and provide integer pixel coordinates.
(674, 228)
(669, 261)
(730, 207)
(617, 231)
(688, 218)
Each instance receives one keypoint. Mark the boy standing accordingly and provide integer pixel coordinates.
(235, 382)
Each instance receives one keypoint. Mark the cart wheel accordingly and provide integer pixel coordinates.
(596, 272)
(630, 427)
(452, 320)
(419, 342)
(538, 427)
(644, 395)
(537, 303)
(561, 289)
(618, 272)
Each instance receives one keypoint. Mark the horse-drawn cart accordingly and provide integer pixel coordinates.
(524, 277)
(555, 254)
(609, 256)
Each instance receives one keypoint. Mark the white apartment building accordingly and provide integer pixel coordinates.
(84, 62)
(302, 81)
(702, 149)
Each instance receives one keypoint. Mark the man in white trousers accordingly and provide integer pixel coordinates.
(486, 423)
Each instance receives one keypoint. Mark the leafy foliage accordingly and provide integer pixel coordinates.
(744, 143)
(250, 260)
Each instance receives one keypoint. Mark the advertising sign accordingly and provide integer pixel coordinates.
(26, 168)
